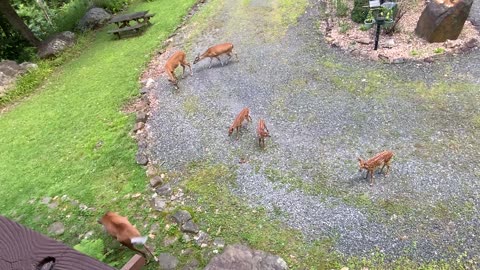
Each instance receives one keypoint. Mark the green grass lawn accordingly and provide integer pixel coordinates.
(47, 142)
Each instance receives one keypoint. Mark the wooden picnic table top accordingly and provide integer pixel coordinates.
(22, 248)
(128, 17)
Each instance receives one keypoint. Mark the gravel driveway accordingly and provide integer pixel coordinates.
(324, 109)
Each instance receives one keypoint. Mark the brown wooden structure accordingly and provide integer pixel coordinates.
(125, 23)
(22, 248)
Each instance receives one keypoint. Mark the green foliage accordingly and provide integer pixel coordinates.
(111, 5)
(93, 248)
(439, 50)
(34, 18)
(67, 16)
(341, 8)
(359, 12)
(344, 27)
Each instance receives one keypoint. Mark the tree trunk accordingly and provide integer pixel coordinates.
(12, 17)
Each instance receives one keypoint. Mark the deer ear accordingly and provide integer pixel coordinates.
(359, 159)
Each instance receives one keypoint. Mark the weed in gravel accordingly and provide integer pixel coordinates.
(191, 105)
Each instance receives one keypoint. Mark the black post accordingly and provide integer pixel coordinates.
(377, 36)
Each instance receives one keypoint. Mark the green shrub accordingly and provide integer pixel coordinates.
(112, 5)
(344, 27)
(68, 15)
(341, 8)
(359, 12)
(439, 50)
(93, 248)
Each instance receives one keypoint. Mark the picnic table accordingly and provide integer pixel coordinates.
(130, 23)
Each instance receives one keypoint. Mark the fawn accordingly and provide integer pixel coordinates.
(237, 123)
(262, 133)
(120, 228)
(216, 51)
(178, 58)
(371, 164)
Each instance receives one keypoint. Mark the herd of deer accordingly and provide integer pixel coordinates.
(119, 226)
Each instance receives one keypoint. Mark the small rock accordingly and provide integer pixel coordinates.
(169, 240)
(143, 91)
(136, 195)
(399, 60)
(219, 242)
(56, 228)
(383, 57)
(428, 59)
(201, 238)
(149, 83)
(164, 190)
(167, 261)
(159, 204)
(389, 43)
(344, 268)
(151, 171)
(155, 181)
(53, 205)
(204, 245)
(46, 200)
(83, 207)
(142, 117)
(472, 43)
(138, 126)
(186, 238)
(365, 41)
(28, 65)
(141, 159)
(193, 264)
(190, 227)
(181, 217)
(88, 234)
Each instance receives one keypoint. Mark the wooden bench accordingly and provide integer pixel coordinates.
(128, 29)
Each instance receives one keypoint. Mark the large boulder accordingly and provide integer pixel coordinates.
(93, 19)
(240, 257)
(56, 44)
(443, 19)
(9, 70)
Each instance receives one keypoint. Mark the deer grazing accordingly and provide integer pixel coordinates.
(237, 123)
(216, 51)
(371, 164)
(178, 58)
(120, 228)
(262, 133)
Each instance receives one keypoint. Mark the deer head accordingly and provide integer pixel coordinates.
(361, 164)
(196, 59)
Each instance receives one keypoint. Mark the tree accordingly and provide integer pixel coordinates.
(12, 17)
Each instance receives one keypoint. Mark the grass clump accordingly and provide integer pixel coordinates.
(93, 248)
(341, 8)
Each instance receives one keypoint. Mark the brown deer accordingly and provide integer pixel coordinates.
(371, 164)
(178, 58)
(216, 51)
(120, 228)
(237, 123)
(262, 133)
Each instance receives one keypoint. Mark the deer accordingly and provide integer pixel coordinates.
(120, 228)
(374, 162)
(178, 58)
(237, 123)
(262, 133)
(216, 51)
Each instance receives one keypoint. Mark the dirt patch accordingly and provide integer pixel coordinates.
(403, 44)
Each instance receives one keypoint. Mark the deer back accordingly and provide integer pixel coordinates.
(262, 129)
(379, 159)
(174, 60)
(119, 227)
(242, 115)
(217, 50)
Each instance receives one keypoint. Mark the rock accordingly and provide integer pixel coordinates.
(442, 20)
(472, 43)
(141, 158)
(159, 203)
(56, 228)
(219, 243)
(149, 83)
(451, 44)
(429, 59)
(53, 205)
(28, 66)
(181, 217)
(142, 117)
(10, 68)
(164, 190)
(94, 18)
(88, 235)
(144, 91)
(138, 126)
(169, 240)
(201, 238)
(365, 41)
(190, 227)
(389, 43)
(399, 60)
(56, 44)
(155, 181)
(344, 268)
(193, 264)
(46, 200)
(167, 261)
(241, 257)
(186, 238)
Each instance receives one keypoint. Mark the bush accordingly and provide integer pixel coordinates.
(68, 15)
(112, 5)
(359, 12)
(341, 8)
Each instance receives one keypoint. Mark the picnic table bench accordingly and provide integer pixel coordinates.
(124, 23)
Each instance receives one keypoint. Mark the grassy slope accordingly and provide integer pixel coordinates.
(47, 143)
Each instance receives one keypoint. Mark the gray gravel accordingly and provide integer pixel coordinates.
(324, 109)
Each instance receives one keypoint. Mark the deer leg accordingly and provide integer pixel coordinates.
(130, 246)
(388, 168)
(219, 60)
(381, 170)
(210, 65)
(238, 132)
(366, 175)
(371, 178)
(183, 70)
(229, 57)
(149, 251)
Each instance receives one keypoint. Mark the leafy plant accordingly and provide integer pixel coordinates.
(68, 15)
(414, 53)
(439, 50)
(344, 27)
(359, 11)
(341, 8)
(93, 248)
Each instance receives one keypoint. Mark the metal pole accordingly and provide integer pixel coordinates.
(377, 36)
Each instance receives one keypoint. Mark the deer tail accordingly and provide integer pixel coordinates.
(139, 240)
